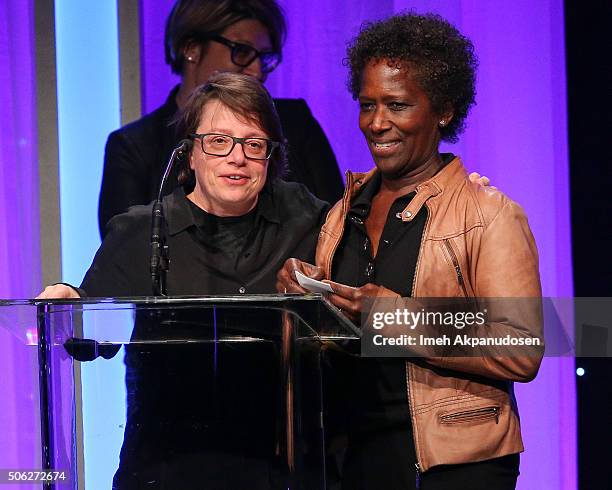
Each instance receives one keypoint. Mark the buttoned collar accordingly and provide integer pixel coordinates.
(179, 216)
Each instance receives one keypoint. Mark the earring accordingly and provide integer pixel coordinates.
(442, 123)
(190, 59)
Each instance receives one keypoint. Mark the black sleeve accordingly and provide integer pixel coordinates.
(124, 179)
(121, 265)
(311, 159)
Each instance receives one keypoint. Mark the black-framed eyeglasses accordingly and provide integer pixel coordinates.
(221, 145)
(243, 54)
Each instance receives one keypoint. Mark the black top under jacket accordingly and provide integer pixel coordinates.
(137, 154)
(381, 452)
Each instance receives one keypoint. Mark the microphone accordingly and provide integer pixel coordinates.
(160, 259)
(181, 151)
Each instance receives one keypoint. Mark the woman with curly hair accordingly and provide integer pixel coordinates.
(415, 226)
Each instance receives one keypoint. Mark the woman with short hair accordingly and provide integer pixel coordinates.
(232, 222)
(230, 227)
(204, 37)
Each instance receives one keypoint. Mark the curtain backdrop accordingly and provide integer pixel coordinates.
(516, 135)
(19, 241)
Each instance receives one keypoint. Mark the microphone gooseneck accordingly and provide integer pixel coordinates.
(160, 257)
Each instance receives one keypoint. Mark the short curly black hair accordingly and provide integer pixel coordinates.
(442, 58)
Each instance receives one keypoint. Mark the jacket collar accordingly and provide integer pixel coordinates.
(356, 181)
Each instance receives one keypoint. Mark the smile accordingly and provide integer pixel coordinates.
(236, 179)
(384, 147)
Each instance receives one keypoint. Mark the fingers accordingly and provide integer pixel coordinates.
(312, 271)
(484, 181)
(289, 287)
(353, 301)
(478, 179)
(286, 281)
(58, 291)
(343, 290)
(348, 307)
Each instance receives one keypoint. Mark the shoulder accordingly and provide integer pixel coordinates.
(293, 198)
(147, 127)
(136, 220)
(292, 110)
(291, 105)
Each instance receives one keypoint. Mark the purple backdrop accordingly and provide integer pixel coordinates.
(517, 135)
(19, 246)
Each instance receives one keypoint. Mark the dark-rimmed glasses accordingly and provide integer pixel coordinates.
(221, 145)
(243, 54)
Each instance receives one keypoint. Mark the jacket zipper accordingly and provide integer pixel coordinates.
(453, 257)
(416, 271)
(412, 417)
(483, 413)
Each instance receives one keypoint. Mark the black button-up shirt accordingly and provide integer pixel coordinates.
(198, 403)
(209, 255)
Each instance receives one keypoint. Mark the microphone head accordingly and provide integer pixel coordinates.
(184, 147)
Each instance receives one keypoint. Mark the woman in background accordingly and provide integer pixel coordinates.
(204, 37)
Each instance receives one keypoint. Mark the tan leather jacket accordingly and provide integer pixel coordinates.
(476, 243)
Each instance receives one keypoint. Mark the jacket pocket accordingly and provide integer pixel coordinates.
(471, 415)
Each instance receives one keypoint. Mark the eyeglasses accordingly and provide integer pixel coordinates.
(243, 54)
(221, 145)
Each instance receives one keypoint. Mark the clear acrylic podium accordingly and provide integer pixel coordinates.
(180, 393)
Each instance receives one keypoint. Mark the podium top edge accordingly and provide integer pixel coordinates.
(169, 300)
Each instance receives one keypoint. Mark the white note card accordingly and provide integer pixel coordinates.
(312, 284)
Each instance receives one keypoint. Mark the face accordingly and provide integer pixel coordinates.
(214, 56)
(230, 185)
(397, 120)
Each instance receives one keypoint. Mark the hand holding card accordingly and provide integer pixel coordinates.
(312, 285)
